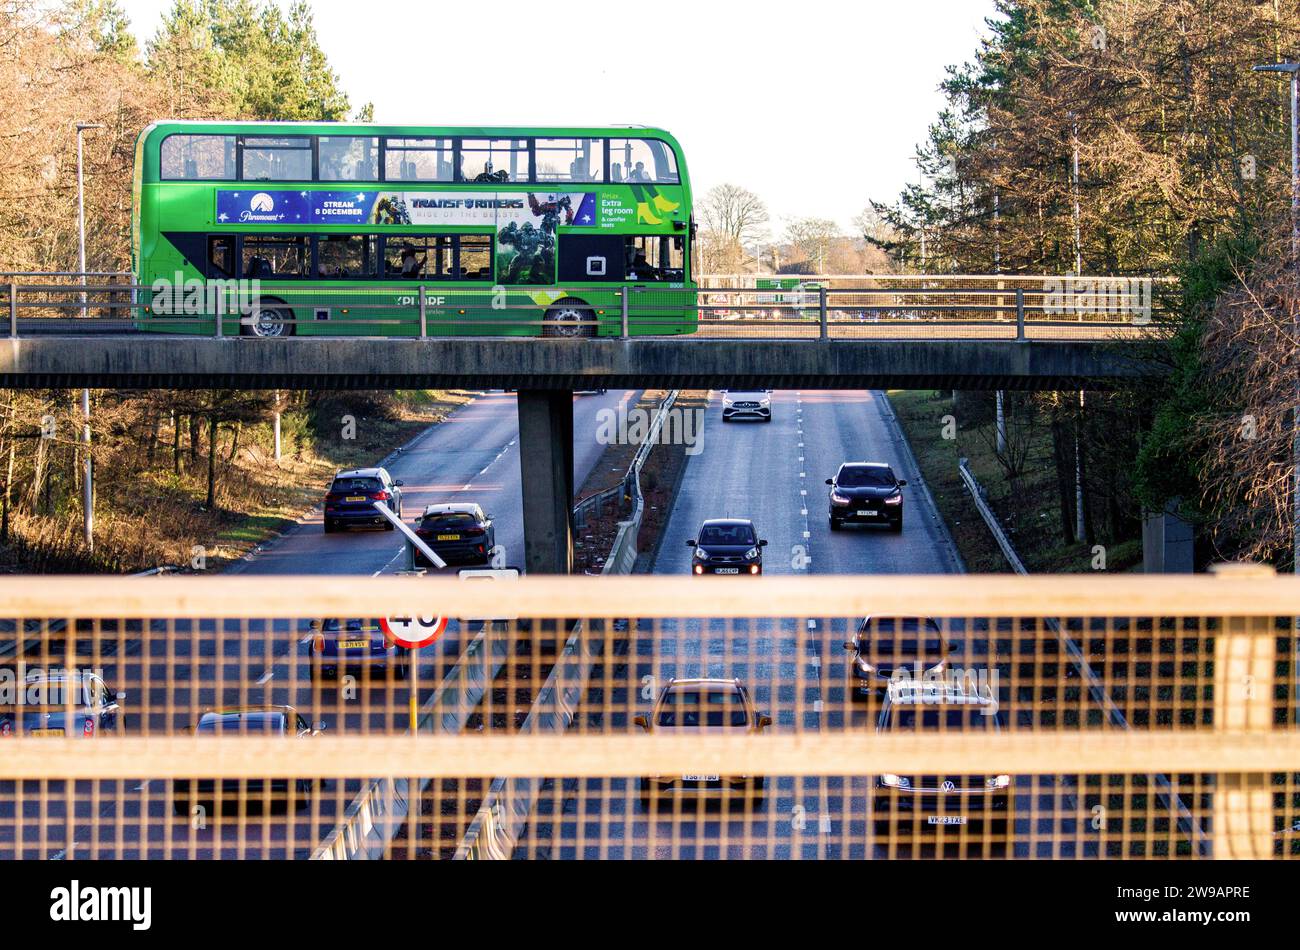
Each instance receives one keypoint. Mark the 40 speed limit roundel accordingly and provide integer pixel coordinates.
(413, 632)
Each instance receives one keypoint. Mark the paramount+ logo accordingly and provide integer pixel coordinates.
(85, 903)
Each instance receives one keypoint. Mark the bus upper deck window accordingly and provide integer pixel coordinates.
(418, 160)
(570, 159)
(190, 157)
(641, 160)
(286, 158)
(349, 158)
(494, 160)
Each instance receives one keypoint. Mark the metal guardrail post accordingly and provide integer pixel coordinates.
(824, 332)
(1020, 315)
(424, 315)
(13, 308)
(626, 307)
(219, 317)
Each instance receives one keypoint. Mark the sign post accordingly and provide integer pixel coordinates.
(413, 633)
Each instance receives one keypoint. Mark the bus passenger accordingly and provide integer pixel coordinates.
(411, 265)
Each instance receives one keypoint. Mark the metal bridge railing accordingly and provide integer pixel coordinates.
(868, 307)
(715, 717)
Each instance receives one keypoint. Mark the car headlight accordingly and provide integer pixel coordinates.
(701, 554)
(894, 500)
(998, 781)
(751, 554)
(838, 499)
(765, 403)
(895, 781)
(864, 666)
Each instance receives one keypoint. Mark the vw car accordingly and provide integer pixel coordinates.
(909, 805)
(747, 404)
(459, 534)
(57, 703)
(702, 706)
(866, 493)
(354, 644)
(352, 496)
(727, 546)
(884, 646)
(260, 721)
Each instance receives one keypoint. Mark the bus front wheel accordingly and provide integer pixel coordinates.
(569, 318)
(267, 320)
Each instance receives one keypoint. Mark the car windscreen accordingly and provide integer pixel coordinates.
(866, 478)
(356, 485)
(726, 534)
(255, 724)
(703, 708)
(886, 626)
(954, 717)
(884, 649)
(449, 519)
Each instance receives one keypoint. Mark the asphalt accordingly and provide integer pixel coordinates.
(170, 674)
(773, 473)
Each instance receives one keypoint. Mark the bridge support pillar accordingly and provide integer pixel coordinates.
(546, 474)
(1168, 543)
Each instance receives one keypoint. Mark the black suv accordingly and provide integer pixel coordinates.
(459, 534)
(866, 493)
(727, 546)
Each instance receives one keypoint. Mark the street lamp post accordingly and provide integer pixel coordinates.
(87, 482)
(1292, 70)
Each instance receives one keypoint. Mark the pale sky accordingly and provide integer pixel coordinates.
(814, 105)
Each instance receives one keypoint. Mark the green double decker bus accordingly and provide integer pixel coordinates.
(329, 229)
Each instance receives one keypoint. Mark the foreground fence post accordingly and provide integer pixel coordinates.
(626, 307)
(424, 315)
(1020, 314)
(824, 330)
(1244, 662)
(13, 308)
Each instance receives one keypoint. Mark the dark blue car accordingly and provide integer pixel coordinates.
(354, 645)
(352, 496)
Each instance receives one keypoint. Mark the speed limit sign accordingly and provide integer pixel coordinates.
(414, 632)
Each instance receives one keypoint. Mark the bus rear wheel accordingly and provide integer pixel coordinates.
(268, 320)
(569, 317)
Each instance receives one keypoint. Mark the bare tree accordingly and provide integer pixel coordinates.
(1250, 349)
(734, 212)
(814, 238)
(733, 217)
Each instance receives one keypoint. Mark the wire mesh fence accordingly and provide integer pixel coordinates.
(866, 307)
(648, 717)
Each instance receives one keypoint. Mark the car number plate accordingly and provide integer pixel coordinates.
(45, 732)
(355, 498)
(946, 820)
(728, 570)
(353, 644)
(699, 778)
(867, 513)
(448, 537)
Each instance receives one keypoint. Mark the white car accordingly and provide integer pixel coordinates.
(747, 404)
